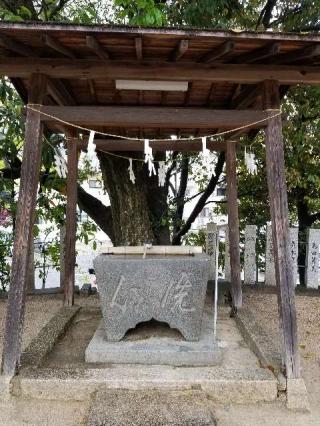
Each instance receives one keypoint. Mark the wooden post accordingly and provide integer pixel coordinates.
(280, 229)
(23, 231)
(233, 225)
(71, 222)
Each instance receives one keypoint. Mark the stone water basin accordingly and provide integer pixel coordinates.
(167, 288)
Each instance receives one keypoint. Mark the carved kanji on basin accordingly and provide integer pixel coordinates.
(168, 289)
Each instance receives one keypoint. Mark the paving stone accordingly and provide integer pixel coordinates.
(152, 408)
(297, 395)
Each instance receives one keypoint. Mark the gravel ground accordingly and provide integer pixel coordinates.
(265, 309)
(39, 310)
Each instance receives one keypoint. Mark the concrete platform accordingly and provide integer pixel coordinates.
(157, 349)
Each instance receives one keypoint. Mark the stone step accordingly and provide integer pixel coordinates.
(221, 384)
(152, 408)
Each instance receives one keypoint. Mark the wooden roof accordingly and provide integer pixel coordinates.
(83, 62)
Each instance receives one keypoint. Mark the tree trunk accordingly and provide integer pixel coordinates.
(139, 210)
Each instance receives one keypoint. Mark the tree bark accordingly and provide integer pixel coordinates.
(140, 209)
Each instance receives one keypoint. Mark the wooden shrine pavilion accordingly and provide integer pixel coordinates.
(152, 83)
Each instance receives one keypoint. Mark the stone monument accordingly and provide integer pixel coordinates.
(270, 274)
(294, 253)
(313, 258)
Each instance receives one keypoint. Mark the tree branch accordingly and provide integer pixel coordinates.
(180, 199)
(98, 212)
(176, 240)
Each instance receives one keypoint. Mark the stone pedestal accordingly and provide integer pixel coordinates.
(250, 271)
(151, 345)
(169, 289)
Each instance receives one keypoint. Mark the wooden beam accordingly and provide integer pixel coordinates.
(23, 232)
(71, 221)
(259, 54)
(94, 45)
(59, 47)
(298, 55)
(233, 225)
(280, 231)
(179, 50)
(218, 52)
(138, 46)
(150, 117)
(89, 68)
(159, 145)
(16, 46)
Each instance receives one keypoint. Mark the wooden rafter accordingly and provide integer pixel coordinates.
(210, 95)
(258, 54)
(140, 96)
(139, 48)
(246, 96)
(93, 91)
(188, 94)
(297, 55)
(164, 96)
(16, 46)
(58, 90)
(218, 52)
(96, 47)
(179, 50)
(57, 46)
